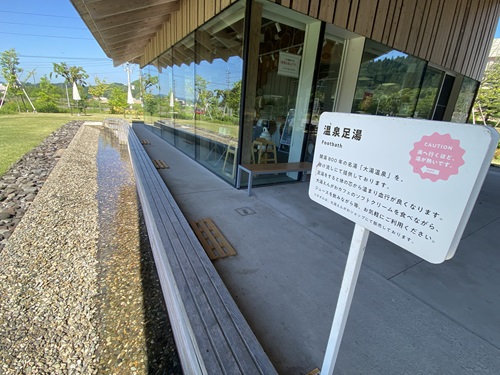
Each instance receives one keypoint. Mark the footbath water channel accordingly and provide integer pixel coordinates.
(135, 336)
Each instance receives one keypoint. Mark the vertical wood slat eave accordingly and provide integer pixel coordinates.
(314, 8)
(458, 22)
(406, 15)
(365, 20)
(442, 36)
(451, 33)
(481, 63)
(495, 14)
(341, 13)
(417, 23)
(473, 44)
(379, 21)
(326, 10)
(472, 55)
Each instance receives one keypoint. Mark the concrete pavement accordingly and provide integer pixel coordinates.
(408, 316)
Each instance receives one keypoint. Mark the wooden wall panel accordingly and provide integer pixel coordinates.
(341, 13)
(326, 10)
(443, 30)
(365, 19)
(209, 9)
(201, 12)
(465, 39)
(391, 9)
(457, 23)
(301, 6)
(353, 13)
(395, 22)
(477, 64)
(405, 21)
(475, 40)
(380, 18)
(425, 24)
(432, 29)
(481, 63)
(416, 25)
(314, 8)
(455, 34)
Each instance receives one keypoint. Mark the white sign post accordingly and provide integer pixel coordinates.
(413, 182)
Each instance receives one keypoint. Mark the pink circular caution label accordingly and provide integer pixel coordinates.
(437, 157)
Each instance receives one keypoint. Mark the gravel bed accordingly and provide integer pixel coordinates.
(78, 286)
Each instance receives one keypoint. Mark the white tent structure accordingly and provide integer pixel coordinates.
(76, 94)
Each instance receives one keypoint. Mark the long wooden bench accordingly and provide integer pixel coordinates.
(271, 168)
(211, 334)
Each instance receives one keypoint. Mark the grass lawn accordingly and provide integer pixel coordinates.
(20, 133)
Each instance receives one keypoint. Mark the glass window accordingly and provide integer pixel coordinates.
(184, 95)
(166, 108)
(283, 90)
(326, 86)
(150, 95)
(465, 100)
(428, 93)
(218, 76)
(276, 88)
(388, 82)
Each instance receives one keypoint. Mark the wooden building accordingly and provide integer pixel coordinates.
(233, 72)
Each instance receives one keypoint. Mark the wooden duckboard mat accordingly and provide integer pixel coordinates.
(160, 164)
(212, 240)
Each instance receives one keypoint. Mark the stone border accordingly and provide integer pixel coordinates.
(22, 182)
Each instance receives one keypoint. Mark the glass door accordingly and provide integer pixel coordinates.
(287, 52)
(325, 93)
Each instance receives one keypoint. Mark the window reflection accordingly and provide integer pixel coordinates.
(166, 97)
(465, 99)
(196, 106)
(276, 88)
(388, 83)
(326, 87)
(428, 93)
(184, 95)
(218, 75)
(150, 94)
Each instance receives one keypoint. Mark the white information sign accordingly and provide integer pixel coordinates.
(413, 182)
(289, 64)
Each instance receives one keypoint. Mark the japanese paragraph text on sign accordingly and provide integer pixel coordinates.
(413, 182)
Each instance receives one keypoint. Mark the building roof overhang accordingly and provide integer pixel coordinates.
(123, 28)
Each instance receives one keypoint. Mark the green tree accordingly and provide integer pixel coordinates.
(204, 97)
(9, 61)
(48, 96)
(98, 90)
(488, 96)
(118, 100)
(143, 87)
(71, 74)
(234, 98)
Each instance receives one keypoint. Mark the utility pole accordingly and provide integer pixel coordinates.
(130, 98)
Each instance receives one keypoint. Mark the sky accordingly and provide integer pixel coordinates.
(44, 32)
